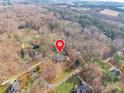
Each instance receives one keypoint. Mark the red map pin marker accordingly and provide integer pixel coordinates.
(60, 44)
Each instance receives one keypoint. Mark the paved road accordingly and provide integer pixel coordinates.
(26, 70)
(12, 80)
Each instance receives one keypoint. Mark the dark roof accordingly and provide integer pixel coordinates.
(80, 89)
(74, 91)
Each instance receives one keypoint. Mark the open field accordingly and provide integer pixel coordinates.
(109, 12)
(67, 86)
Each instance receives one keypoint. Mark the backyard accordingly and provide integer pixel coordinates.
(67, 86)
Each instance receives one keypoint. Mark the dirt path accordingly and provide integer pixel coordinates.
(66, 78)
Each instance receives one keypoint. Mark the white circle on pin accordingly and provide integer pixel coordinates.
(60, 44)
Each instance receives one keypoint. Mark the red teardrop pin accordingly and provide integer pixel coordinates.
(60, 44)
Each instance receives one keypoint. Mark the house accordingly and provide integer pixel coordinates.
(82, 88)
(58, 58)
(14, 87)
(120, 53)
(116, 72)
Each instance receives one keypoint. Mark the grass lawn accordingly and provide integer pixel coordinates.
(3, 89)
(67, 86)
(102, 65)
(61, 77)
(61, 74)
